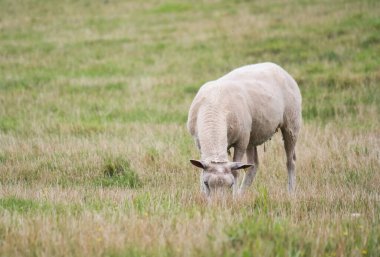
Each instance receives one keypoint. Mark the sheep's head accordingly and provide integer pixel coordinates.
(218, 175)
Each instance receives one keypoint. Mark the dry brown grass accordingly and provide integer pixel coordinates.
(335, 181)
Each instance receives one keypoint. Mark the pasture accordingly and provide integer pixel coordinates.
(94, 151)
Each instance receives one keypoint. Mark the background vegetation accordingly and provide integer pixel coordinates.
(93, 146)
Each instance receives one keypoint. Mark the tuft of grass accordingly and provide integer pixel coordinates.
(172, 8)
(259, 235)
(8, 124)
(118, 173)
(14, 204)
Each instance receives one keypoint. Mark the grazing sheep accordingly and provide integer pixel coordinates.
(243, 109)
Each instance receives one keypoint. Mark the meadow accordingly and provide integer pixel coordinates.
(94, 151)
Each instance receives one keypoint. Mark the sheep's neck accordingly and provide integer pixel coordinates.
(212, 135)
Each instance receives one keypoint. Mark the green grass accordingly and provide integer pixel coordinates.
(94, 150)
(13, 204)
(118, 173)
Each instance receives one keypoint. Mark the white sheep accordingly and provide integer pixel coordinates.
(243, 109)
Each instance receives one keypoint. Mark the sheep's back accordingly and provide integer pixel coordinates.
(258, 98)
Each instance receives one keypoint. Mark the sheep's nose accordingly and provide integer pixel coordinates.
(220, 181)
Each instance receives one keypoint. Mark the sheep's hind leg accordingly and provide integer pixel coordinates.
(290, 140)
(252, 158)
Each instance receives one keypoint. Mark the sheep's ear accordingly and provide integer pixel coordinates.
(198, 164)
(239, 165)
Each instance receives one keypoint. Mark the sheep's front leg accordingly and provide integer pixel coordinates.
(238, 156)
(252, 158)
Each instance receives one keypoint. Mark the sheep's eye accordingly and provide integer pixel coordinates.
(206, 183)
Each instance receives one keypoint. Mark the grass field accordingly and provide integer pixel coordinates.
(93, 144)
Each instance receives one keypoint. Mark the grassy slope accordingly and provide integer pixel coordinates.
(93, 148)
